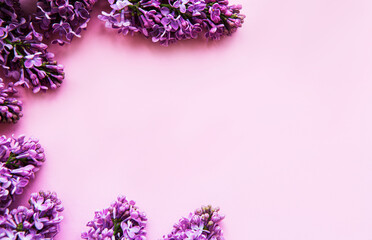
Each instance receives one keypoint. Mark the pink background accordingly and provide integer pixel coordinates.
(273, 124)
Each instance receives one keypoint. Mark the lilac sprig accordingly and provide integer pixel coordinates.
(39, 221)
(169, 21)
(62, 20)
(122, 220)
(20, 159)
(10, 106)
(23, 56)
(203, 224)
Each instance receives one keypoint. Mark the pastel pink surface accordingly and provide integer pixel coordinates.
(272, 124)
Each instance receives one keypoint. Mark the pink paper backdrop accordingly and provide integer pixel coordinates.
(274, 124)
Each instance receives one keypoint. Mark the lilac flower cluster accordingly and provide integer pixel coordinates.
(23, 56)
(167, 21)
(63, 19)
(122, 220)
(203, 224)
(39, 221)
(20, 158)
(10, 106)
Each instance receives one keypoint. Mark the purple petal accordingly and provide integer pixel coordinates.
(165, 11)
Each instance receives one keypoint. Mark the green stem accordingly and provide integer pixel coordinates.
(19, 227)
(117, 227)
(12, 159)
(15, 44)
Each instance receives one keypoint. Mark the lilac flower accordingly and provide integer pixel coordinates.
(168, 22)
(215, 13)
(33, 60)
(119, 5)
(23, 56)
(129, 230)
(63, 20)
(10, 106)
(122, 220)
(33, 223)
(214, 31)
(19, 160)
(110, 19)
(203, 224)
(61, 29)
(197, 8)
(181, 4)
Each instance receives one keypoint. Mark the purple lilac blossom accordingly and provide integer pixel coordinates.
(23, 56)
(61, 20)
(169, 21)
(122, 220)
(203, 224)
(10, 106)
(20, 158)
(39, 221)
